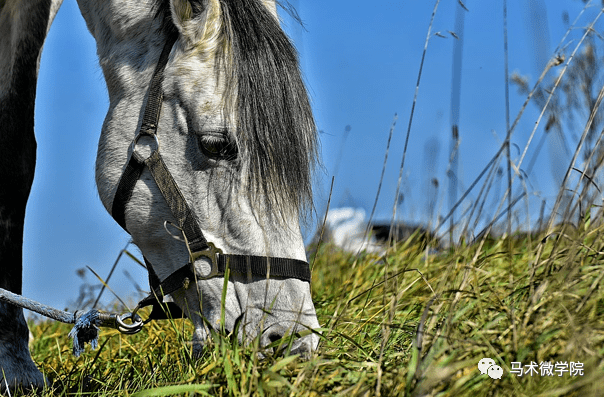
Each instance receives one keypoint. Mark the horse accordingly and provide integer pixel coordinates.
(205, 157)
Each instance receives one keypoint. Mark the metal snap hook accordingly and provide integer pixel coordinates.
(129, 329)
(117, 321)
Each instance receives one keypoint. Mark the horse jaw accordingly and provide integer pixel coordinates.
(270, 308)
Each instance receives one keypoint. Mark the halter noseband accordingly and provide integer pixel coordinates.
(197, 245)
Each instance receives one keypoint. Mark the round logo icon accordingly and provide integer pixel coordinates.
(495, 371)
(484, 364)
(487, 366)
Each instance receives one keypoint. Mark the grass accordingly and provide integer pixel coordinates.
(408, 323)
(414, 322)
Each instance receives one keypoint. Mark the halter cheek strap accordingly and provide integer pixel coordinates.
(197, 245)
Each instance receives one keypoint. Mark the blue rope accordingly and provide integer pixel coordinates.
(85, 330)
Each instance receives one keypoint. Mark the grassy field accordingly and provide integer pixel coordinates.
(413, 322)
(408, 323)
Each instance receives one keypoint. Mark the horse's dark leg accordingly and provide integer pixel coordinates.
(23, 28)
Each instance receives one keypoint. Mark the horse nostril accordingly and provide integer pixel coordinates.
(273, 337)
(279, 336)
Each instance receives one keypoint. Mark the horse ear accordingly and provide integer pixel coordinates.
(191, 16)
(182, 12)
(187, 15)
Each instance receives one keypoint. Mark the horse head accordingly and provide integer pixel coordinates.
(236, 134)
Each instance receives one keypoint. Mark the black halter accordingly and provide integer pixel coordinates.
(197, 245)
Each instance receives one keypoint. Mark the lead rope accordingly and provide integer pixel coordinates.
(86, 324)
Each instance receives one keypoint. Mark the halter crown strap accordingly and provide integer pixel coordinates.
(135, 165)
(251, 265)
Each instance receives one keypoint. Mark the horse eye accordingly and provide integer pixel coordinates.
(218, 147)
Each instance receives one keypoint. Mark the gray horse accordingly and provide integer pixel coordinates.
(236, 136)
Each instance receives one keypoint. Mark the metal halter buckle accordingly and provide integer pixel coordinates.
(211, 253)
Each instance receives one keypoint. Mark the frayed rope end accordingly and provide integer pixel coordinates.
(85, 330)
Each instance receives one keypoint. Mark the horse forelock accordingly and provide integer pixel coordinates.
(276, 129)
(265, 93)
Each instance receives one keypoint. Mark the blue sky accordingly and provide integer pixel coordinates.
(361, 62)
